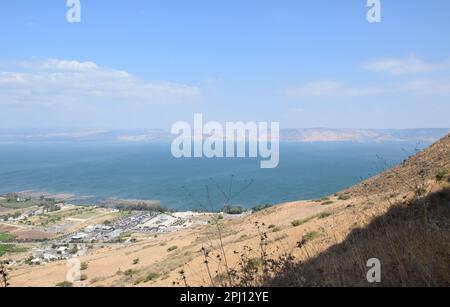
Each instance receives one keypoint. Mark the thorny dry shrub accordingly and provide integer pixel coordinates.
(411, 241)
(3, 276)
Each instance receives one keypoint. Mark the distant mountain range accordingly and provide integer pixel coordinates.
(362, 135)
(286, 135)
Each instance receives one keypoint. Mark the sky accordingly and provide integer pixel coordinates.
(149, 63)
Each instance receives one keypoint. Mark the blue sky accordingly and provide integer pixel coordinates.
(147, 64)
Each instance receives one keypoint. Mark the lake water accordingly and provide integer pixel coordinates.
(148, 171)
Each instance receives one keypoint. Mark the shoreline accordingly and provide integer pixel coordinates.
(108, 202)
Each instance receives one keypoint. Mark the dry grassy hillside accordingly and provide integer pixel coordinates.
(411, 241)
(411, 174)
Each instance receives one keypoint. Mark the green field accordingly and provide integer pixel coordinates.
(23, 205)
(16, 205)
(12, 204)
(10, 248)
(6, 237)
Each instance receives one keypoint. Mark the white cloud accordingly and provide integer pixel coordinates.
(60, 82)
(425, 87)
(53, 64)
(327, 88)
(409, 65)
(330, 88)
(316, 88)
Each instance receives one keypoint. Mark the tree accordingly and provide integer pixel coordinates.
(11, 197)
(3, 276)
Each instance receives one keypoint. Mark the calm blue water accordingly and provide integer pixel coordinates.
(148, 171)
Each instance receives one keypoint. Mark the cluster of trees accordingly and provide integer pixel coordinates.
(51, 207)
(261, 207)
(134, 205)
(43, 200)
(10, 215)
(13, 197)
(235, 210)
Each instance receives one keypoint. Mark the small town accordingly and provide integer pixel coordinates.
(56, 230)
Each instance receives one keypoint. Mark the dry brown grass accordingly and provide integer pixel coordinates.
(411, 241)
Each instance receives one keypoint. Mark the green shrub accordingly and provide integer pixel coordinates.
(324, 215)
(151, 276)
(172, 248)
(74, 250)
(281, 237)
(64, 284)
(221, 279)
(344, 197)
(310, 236)
(235, 210)
(254, 264)
(327, 203)
(441, 175)
(421, 191)
(296, 223)
(83, 277)
(84, 266)
(276, 229)
(136, 261)
(130, 272)
(261, 207)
